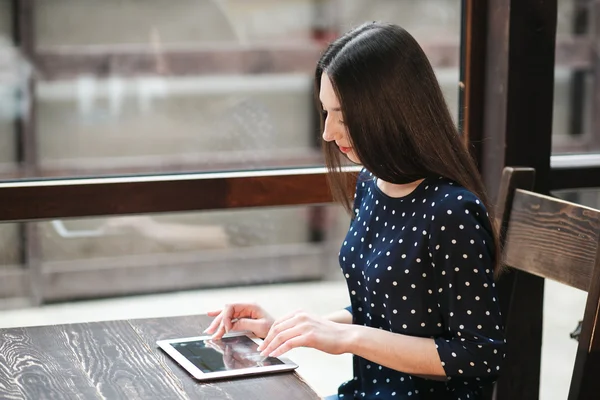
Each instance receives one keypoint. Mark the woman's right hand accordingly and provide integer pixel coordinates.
(240, 317)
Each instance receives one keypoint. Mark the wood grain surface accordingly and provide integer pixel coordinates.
(36, 363)
(285, 385)
(120, 360)
(552, 238)
(546, 238)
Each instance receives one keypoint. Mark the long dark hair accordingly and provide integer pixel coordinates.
(397, 119)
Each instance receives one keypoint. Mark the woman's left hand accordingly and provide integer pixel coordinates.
(303, 330)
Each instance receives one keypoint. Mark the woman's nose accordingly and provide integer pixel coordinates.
(328, 132)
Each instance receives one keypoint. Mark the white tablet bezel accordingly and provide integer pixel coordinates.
(197, 373)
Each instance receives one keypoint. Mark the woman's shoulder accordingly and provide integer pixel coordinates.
(362, 186)
(363, 179)
(365, 175)
(451, 198)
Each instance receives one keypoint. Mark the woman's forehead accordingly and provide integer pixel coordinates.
(327, 94)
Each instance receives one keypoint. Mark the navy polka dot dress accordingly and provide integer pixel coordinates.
(422, 265)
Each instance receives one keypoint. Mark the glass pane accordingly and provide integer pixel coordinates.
(207, 232)
(14, 289)
(586, 197)
(276, 257)
(576, 127)
(13, 74)
(114, 256)
(273, 244)
(185, 21)
(12, 79)
(201, 85)
(6, 21)
(214, 113)
(10, 247)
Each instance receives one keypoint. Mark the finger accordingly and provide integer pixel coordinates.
(223, 318)
(278, 327)
(219, 332)
(280, 339)
(298, 341)
(228, 315)
(213, 325)
(225, 322)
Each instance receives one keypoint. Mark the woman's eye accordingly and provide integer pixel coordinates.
(324, 114)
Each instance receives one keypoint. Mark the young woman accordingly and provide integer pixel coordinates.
(421, 252)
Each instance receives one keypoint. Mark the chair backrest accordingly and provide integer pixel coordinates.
(545, 238)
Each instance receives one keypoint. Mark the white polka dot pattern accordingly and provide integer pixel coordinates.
(431, 277)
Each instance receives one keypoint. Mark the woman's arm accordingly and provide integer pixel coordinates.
(414, 355)
(409, 354)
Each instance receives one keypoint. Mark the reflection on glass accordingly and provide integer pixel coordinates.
(15, 101)
(14, 282)
(10, 247)
(163, 235)
(175, 124)
(114, 256)
(586, 197)
(5, 20)
(576, 128)
(228, 353)
(199, 85)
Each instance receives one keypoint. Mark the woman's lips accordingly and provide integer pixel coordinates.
(345, 149)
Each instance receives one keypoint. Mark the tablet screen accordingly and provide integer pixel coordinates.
(228, 353)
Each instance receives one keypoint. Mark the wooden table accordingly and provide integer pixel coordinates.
(120, 360)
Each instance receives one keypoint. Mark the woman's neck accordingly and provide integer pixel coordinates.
(397, 190)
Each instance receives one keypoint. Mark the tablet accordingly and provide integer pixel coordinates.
(233, 355)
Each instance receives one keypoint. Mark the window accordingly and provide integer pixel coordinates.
(575, 123)
(194, 87)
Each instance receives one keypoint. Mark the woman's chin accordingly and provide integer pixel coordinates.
(352, 157)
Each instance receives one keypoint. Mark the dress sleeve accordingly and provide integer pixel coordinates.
(462, 254)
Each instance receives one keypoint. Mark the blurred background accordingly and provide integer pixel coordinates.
(140, 88)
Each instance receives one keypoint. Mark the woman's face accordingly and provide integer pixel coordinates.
(335, 129)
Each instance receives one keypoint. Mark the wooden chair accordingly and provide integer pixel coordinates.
(545, 237)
